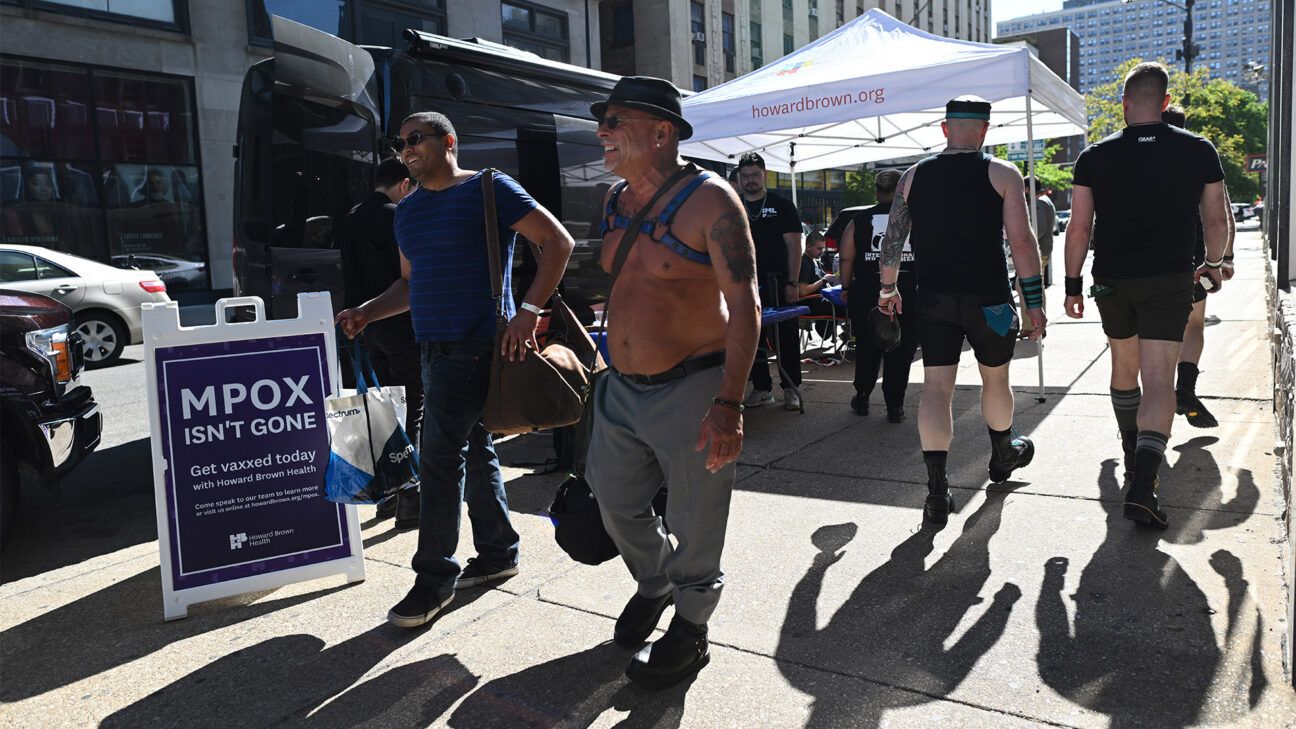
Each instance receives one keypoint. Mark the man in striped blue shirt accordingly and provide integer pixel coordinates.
(445, 285)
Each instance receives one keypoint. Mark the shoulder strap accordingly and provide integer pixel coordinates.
(492, 240)
(672, 207)
(633, 230)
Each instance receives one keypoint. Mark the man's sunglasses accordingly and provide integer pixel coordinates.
(413, 140)
(612, 121)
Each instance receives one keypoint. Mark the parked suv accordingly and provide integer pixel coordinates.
(49, 422)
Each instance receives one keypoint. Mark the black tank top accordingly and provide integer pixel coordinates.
(958, 227)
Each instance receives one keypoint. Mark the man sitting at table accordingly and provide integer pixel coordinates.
(813, 280)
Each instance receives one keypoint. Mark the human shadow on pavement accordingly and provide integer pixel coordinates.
(894, 627)
(112, 627)
(296, 680)
(571, 692)
(1142, 648)
(103, 506)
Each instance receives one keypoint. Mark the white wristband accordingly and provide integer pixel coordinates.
(886, 294)
(532, 308)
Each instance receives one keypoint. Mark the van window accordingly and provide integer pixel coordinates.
(323, 166)
(585, 180)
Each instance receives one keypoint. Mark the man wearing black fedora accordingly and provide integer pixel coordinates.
(682, 325)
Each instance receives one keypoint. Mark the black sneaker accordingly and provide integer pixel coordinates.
(478, 572)
(1003, 461)
(1143, 507)
(938, 507)
(1190, 406)
(859, 404)
(407, 509)
(639, 619)
(895, 415)
(680, 653)
(420, 606)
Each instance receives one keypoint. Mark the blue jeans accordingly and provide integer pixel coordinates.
(457, 461)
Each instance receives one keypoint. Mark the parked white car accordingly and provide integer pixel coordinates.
(105, 300)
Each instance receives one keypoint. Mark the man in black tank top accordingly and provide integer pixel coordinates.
(1194, 337)
(1146, 184)
(953, 208)
(860, 251)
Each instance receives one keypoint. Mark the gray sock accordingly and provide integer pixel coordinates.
(1150, 440)
(1126, 405)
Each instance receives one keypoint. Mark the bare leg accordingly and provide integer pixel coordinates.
(935, 416)
(996, 397)
(1156, 368)
(1125, 363)
(1194, 338)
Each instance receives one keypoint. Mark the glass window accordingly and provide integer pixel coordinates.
(535, 29)
(44, 111)
(52, 205)
(161, 11)
(153, 212)
(757, 51)
(699, 83)
(788, 44)
(15, 266)
(697, 24)
(728, 43)
(379, 24)
(143, 118)
(45, 270)
(623, 25)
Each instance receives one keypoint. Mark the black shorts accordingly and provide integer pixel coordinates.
(1148, 308)
(945, 320)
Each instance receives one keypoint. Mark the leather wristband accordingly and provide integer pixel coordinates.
(731, 404)
(1074, 285)
(532, 308)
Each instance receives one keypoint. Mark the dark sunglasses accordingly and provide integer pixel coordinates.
(612, 121)
(413, 140)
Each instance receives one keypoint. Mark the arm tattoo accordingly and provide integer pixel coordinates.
(730, 234)
(897, 231)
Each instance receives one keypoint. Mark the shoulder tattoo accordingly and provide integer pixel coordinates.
(897, 231)
(730, 234)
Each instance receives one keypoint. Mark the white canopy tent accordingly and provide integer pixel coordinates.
(875, 89)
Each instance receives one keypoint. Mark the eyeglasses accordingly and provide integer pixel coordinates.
(413, 140)
(612, 121)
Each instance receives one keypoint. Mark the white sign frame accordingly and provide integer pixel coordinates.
(162, 328)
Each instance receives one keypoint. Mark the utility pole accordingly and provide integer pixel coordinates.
(1189, 50)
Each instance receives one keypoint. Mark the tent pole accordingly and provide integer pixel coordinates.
(792, 166)
(1030, 214)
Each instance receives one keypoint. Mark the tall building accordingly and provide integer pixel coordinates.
(1229, 35)
(698, 44)
(126, 151)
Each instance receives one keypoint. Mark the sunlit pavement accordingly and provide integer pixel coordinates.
(1037, 604)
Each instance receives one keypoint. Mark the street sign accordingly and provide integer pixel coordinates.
(239, 451)
(1257, 163)
(1020, 152)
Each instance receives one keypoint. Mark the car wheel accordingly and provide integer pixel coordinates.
(102, 337)
(8, 493)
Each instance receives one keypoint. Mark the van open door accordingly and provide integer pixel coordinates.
(308, 135)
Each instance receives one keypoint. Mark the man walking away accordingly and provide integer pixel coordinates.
(370, 263)
(954, 208)
(777, 233)
(1045, 225)
(682, 331)
(860, 250)
(1146, 184)
(1194, 340)
(445, 285)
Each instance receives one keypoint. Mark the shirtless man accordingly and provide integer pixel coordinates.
(963, 287)
(683, 323)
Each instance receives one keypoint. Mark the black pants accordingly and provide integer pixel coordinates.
(395, 358)
(789, 342)
(895, 364)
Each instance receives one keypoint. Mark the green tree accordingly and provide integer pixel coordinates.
(1232, 118)
(859, 188)
(1050, 174)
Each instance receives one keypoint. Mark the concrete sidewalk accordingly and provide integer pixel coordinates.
(1037, 605)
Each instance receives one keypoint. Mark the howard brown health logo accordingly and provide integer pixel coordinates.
(237, 540)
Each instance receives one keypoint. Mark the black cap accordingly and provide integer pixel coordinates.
(656, 96)
(968, 107)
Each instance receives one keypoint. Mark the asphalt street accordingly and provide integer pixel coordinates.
(1038, 605)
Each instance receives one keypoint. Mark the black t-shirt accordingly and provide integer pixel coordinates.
(811, 270)
(870, 226)
(770, 219)
(1147, 184)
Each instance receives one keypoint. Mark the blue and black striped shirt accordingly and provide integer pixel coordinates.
(442, 235)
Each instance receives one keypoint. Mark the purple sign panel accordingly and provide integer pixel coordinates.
(245, 442)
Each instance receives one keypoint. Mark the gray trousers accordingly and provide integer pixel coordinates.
(644, 436)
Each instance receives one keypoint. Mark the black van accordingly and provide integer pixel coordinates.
(312, 126)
